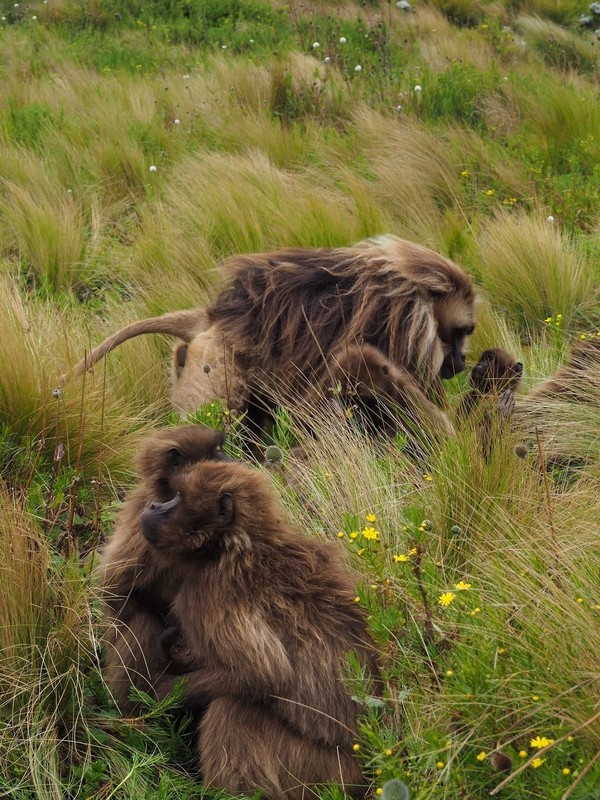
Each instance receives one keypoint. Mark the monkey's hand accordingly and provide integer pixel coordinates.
(506, 403)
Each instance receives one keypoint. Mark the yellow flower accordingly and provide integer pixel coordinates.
(341, 534)
(548, 319)
(446, 598)
(440, 765)
(465, 173)
(371, 534)
(481, 756)
(462, 586)
(566, 771)
(537, 762)
(379, 791)
(522, 753)
(378, 772)
(570, 738)
(449, 672)
(427, 477)
(582, 335)
(490, 192)
(501, 651)
(580, 599)
(413, 552)
(371, 518)
(357, 599)
(356, 747)
(401, 559)
(360, 552)
(387, 752)
(474, 612)
(353, 534)
(540, 741)
(349, 412)
(536, 697)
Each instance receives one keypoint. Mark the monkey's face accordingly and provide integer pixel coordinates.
(202, 518)
(455, 321)
(496, 371)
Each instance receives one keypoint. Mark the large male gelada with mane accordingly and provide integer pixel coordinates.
(279, 326)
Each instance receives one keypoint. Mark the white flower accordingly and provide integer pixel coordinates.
(153, 168)
(251, 41)
(398, 108)
(357, 68)
(176, 122)
(69, 191)
(223, 47)
(417, 88)
(326, 60)
(343, 40)
(16, 5)
(186, 77)
(34, 17)
(316, 45)
(403, 5)
(550, 218)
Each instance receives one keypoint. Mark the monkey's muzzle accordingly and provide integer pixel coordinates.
(155, 515)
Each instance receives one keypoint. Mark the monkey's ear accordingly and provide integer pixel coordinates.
(173, 457)
(226, 507)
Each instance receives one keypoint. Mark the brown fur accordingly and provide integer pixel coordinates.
(386, 398)
(284, 316)
(136, 592)
(272, 614)
(574, 379)
(286, 313)
(496, 373)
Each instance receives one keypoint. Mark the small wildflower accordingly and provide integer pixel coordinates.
(379, 771)
(353, 534)
(570, 738)
(357, 599)
(490, 192)
(379, 791)
(387, 752)
(412, 552)
(535, 697)
(316, 45)
(418, 89)
(371, 518)
(522, 753)
(401, 559)
(537, 762)
(427, 477)
(358, 68)
(465, 173)
(440, 764)
(475, 611)
(153, 168)
(550, 218)
(343, 40)
(371, 534)
(356, 747)
(501, 651)
(341, 534)
(449, 672)
(462, 586)
(481, 756)
(326, 60)
(360, 552)
(566, 771)
(403, 5)
(540, 741)
(176, 122)
(580, 599)
(446, 598)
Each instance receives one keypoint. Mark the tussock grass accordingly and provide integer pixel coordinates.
(534, 270)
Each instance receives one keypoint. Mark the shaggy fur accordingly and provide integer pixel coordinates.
(275, 330)
(270, 616)
(496, 373)
(137, 592)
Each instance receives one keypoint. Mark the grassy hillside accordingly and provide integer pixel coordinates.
(143, 142)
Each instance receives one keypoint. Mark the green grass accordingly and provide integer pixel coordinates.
(260, 139)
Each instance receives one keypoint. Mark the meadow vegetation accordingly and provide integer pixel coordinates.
(143, 142)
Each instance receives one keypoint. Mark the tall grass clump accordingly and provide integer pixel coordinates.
(533, 270)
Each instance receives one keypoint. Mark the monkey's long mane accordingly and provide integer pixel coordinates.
(289, 310)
